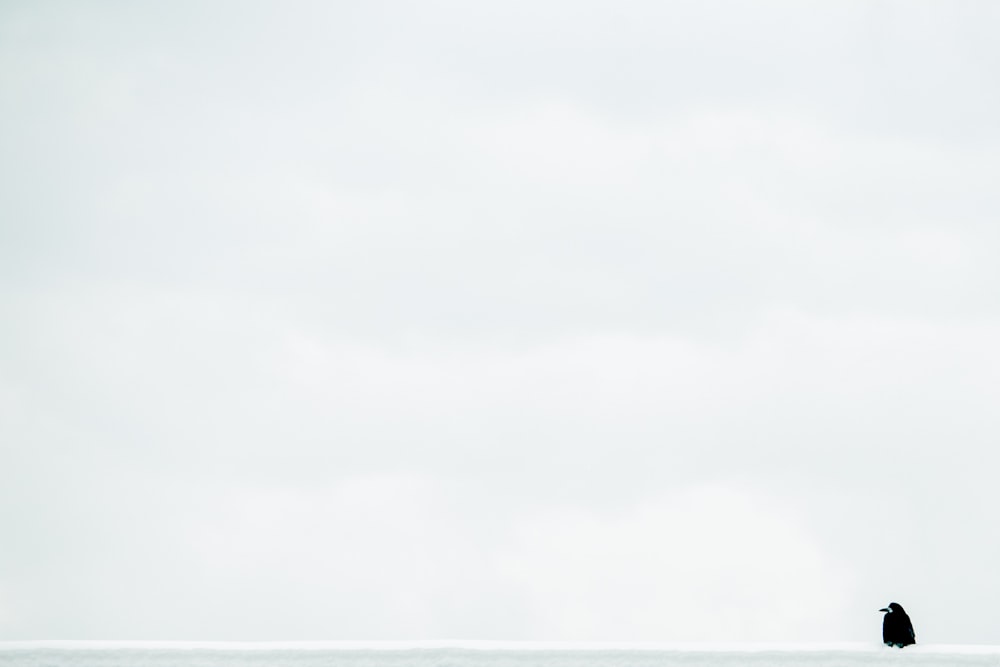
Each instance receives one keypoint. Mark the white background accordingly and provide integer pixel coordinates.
(590, 321)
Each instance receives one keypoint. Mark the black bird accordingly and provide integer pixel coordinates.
(897, 630)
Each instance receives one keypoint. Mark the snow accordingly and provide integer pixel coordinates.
(482, 654)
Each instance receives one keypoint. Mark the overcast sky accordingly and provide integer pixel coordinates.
(522, 320)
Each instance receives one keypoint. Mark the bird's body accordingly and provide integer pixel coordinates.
(897, 630)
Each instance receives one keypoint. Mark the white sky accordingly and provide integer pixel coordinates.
(600, 321)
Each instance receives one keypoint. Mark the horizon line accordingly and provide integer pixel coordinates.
(483, 644)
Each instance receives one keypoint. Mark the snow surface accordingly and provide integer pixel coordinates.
(480, 654)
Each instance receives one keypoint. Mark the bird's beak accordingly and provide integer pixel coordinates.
(885, 609)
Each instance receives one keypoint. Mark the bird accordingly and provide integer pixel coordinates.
(897, 630)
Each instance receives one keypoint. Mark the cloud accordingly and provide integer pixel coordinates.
(700, 564)
(288, 287)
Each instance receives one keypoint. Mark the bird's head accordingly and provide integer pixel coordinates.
(893, 607)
